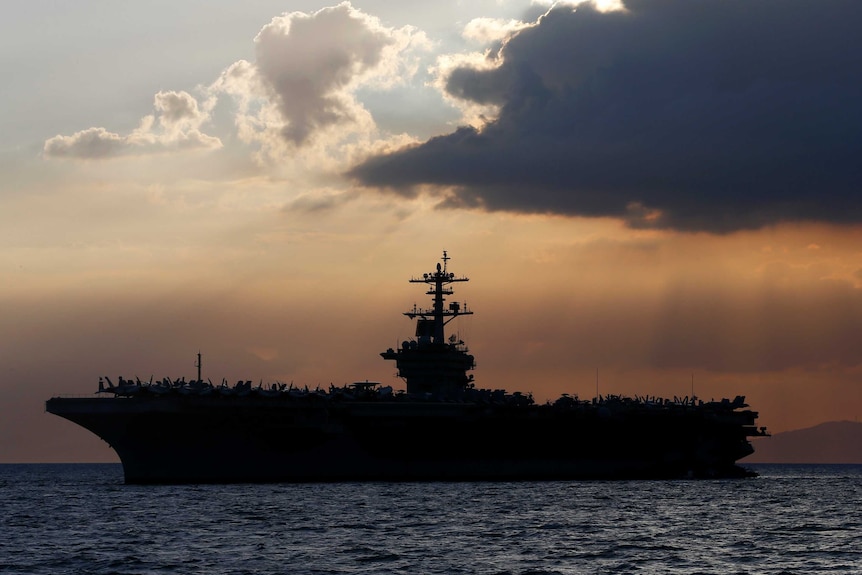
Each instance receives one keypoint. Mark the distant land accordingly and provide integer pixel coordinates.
(831, 442)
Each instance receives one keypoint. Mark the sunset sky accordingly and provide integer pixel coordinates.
(666, 193)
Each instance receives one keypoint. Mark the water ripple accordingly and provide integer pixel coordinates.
(80, 519)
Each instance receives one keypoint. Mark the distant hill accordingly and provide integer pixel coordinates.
(831, 442)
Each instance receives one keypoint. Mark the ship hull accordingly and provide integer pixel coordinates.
(196, 439)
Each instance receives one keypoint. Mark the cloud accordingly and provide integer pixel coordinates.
(178, 110)
(174, 127)
(716, 115)
(317, 202)
(297, 95)
(305, 72)
(488, 30)
(91, 143)
(300, 90)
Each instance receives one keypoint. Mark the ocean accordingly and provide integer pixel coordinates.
(82, 519)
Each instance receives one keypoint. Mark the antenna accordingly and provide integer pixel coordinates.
(446, 259)
(198, 365)
(597, 384)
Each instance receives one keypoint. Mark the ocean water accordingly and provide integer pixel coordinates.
(81, 519)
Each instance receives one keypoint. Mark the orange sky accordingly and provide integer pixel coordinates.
(770, 315)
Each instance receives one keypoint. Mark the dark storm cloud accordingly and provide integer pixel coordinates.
(712, 115)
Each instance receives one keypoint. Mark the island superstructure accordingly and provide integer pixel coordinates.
(442, 427)
(432, 364)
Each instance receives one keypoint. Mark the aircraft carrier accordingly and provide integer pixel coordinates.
(443, 427)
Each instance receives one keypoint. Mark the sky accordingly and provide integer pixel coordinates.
(650, 198)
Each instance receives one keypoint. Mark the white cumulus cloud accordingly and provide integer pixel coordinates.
(175, 126)
(300, 90)
(295, 102)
